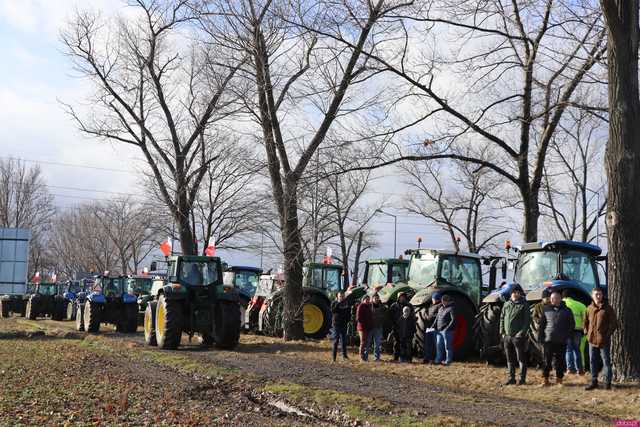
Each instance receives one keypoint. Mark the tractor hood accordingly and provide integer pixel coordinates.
(423, 296)
(389, 293)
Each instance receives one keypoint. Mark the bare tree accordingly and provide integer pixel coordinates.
(153, 93)
(623, 164)
(460, 198)
(574, 190)
(516, 68)
(25, 202)
(295, 72)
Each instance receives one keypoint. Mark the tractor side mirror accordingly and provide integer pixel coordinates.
(503, 269)
(153, 266)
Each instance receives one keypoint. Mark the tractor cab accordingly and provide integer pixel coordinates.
(139, 285)
(190, 271)
(46, 288)
(324, 277)
(379, 272)
(110, 287)
(244, 279)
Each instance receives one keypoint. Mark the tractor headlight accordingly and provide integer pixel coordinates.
(176, 286)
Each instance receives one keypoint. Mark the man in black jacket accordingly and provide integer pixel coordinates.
(556, 324)
(396, 314)
(444, 325)
(429, 342)
(341, 312)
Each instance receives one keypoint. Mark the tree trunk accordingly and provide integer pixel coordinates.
(623, 170)
(184, 232)
(292, 317)
(356, 263)
(531, 214)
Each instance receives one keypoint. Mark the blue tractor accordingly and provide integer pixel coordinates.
(245, 281)
(74, 293)
(108, 302)
(558, 266)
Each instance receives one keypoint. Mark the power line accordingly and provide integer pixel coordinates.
(47, 162)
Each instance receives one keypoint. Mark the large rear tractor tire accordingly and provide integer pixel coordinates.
(272, 317)
(30, 312)
(227, 325)
(71, 310)
(169, 322)
(463, 340)
(150, 324)
(421, 326)
(535, 347)
(316, 316)
(79, 317)
(487, 331)
(131, 311)
(92, 316)
(4, 309)
(58, 310)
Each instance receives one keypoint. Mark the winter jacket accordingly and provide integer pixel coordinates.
(364, 317)
(407, 327)
(341, 313)
(432, 313)
(556, 324)
(396, 310)
(515, 318)
(599, 324)
(446, 318)
(379, 313)
(578, 309)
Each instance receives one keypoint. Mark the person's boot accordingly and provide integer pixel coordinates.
(580, 371)
(512, 375)
(510, 381)
(559, 382)
(592, 386)
(545, 383)
(523, 374)
(607, 386)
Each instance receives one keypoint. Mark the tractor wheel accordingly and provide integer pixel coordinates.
(487, 330)
(4, 308)
(30, 312)
(150, 324)
(421, 326)
(79, 317)
(169, 321)
(317, 316)
(463, 342)
(58, 310)
(23, 308)
(131, 324)
(227, 325)
(535, 348)
(71, 310)
(272, 318)
(92, 312)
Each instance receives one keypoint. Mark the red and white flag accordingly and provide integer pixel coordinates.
(36, 277)
(165, 246)
(211, 249)
(54, 276)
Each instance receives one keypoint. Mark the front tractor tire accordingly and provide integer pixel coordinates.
(227, 324)
(150, 324)
(71, 310)
(272, 317)
(169, 323)
(536, 349)
(79, 310)
(4, 309)
(58, 312)
(487, 331)
(316, 316)
(92, 315)
(30, 312)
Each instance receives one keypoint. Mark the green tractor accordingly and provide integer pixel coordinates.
(16, 303)
(557, 266)
(47, 300)
(321, 284)
(140, 286)
(192, 299)
(458, 274)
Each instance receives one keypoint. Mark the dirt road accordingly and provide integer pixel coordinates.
(59, 376)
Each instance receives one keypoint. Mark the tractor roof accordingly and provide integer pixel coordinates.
(387, 261)
(235, 268)
(194, 258)
(561, 244)
(321, 265)
(447, 252)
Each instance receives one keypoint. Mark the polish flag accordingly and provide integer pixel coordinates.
(211, 249)
(54, 276)
(165, 247)
(36, 277)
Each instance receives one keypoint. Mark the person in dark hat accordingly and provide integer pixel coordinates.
(514, 326)
(396, 315)
(429, 342)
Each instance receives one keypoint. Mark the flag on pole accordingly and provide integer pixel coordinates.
(54, 276)
(36, 277)
(211, 249)
(165, 247)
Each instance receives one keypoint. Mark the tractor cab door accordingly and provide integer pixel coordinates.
(464, 273)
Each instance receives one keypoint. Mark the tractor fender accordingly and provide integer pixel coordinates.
(69, 296)
(389, 293)
(560, 285)
(172, 292)
(313, 291)
(144, 299)
(228, 294)
(129, 299)
(423, 296)
(97, 298)
(460, 295)
(499, 295)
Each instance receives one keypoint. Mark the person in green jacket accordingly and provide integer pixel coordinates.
(573, 355)
(514, 326)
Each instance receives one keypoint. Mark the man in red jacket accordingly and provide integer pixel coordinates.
(364, 323)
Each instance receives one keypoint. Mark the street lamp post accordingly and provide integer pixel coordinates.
(395, 230)
(597, 193)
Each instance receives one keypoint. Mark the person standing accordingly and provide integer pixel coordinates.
(364, 320)
(406, 330)
(429, 342)
(574, 356)
(396, 313)
(444, 325)
(599, 324)
(514, 326)
(556, 324)
(379, 313)
(340, 314)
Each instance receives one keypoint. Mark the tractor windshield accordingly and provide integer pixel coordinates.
(423, 269)
(377, 275)
(198, 273)
(48, 289)
(535, 268)
(328, 279)
(246, 281)
(462, 272)
(140, 286)
(75, 287)
(112, 286)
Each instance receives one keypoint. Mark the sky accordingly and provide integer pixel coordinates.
(36, 78)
